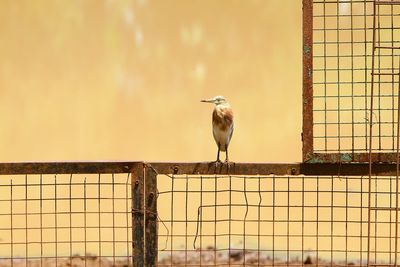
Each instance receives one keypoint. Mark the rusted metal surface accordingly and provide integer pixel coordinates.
(307, 135)
(151, 229)
(350, 157)
(317, 167)
(232, 168)
(138, 216)
(352, 90)
(347, 169)
(66, 167)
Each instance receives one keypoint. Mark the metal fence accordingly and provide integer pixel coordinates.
(351, 59)
(202, 214)
(65, 215)
(196, 214)
(274, 220)
(284, 219)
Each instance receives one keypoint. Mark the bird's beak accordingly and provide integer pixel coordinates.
(207, 100)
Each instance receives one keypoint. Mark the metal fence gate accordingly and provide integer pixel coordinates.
(196, 214)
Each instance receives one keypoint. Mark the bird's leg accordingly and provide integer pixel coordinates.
(218, 160)
(228, 163)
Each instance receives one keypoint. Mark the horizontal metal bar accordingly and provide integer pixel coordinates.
(67, 167)
(385, 73)
(221, 168)
(384, 208)
(344, 169)
(387, 47)
(318, 164)
(317, 168)
(387, 2)
(379, 159)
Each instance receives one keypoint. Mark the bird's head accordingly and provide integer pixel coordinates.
(217, 100)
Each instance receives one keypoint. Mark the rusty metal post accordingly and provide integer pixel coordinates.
(138, 215)
(307, 135)
(151, 229)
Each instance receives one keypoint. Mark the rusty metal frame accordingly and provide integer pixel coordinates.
(134, 167)
(201, 168)
(138, 216)
(307, 134)
(144, 185)
(308, 153)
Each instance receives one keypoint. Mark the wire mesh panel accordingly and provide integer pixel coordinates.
(65, 220)
(227, 220)
(342, 49)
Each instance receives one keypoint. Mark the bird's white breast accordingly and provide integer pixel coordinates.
(222, 125)
(222, 136)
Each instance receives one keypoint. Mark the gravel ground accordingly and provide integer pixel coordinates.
(78, 261)
(191, 258)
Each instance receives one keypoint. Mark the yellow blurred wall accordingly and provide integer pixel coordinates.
(122, 80)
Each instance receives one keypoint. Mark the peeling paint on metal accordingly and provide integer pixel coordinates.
(312, 158)
(346, 157)
(306, 49)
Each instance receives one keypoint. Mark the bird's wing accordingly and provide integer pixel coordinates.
(214, 129)
(231, 128)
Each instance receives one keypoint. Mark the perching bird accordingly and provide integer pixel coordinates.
(222, 122)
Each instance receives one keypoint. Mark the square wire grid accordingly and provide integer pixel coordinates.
(65, 220)
(342, 67)
(274, 220)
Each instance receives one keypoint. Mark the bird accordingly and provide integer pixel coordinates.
(222, 124)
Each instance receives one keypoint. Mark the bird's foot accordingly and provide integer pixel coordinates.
(217, 163)
(229, 163)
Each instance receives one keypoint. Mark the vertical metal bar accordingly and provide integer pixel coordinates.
(138, 216)
(230, 220)
(347, 220)
(215, 218)
(273, 220)
(288, 223)
(307, 135)
(70, 220)
(55, 218)
(366, 75)
(332, 214)
(390, 219)
(317, 230)
(151, 229)
(370, 135)
(338, 77)
(113, 215)
(127, 219)
(396, 236)
(172, 222)
(84, 220)
(245, 218)
(259, 221)
(393, 77)
(99, 215)
(376, 220)
(186, 216)
(200, 221)
(302, 220)
(325, 84)
(379, 79)
(352, 85)
(41, 221)
(26, 220)
(393, 142)
(11, 222)
(361, 218)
